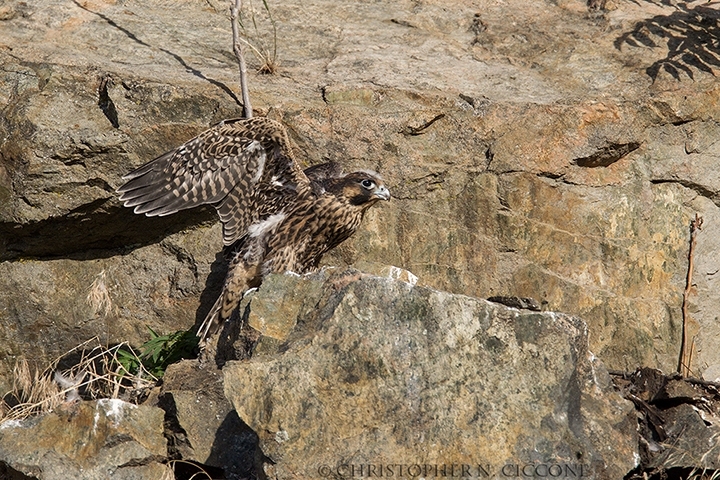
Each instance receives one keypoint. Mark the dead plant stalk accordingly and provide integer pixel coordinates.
(686, 350)
(238, 50)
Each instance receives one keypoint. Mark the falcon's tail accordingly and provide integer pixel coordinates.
(240, 278)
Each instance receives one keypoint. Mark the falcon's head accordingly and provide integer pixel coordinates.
(362, 188)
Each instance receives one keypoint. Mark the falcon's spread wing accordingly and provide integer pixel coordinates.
(245, 168)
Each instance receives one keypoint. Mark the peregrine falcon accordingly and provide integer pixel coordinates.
(275, 216)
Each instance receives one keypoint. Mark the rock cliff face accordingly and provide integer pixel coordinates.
(571, 153)
(567, 155)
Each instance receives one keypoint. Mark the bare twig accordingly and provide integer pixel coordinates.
(238, 50)
(685, 348)
(408, 130)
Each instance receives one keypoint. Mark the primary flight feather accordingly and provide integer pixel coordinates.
(275, 216)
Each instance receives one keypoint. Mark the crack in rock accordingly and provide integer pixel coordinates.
(701, 190)
(105, 102)
(607, 155)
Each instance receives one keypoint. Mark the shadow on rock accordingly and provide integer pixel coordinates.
(92, 231)
(213, 287)
(9, 473)
(692, 35)
(236, 448)
(234, 340)
(202, 427)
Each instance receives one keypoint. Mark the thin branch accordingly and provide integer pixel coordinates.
(238, 50)
(408, 130)
(685, 354)
(258, 53)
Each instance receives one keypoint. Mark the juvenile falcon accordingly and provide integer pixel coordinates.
(275, 216)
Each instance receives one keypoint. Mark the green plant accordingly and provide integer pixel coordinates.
(159, 352)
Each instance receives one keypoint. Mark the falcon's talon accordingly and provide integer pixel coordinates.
(249, 291)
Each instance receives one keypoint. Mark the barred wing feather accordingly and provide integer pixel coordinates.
(225, 166)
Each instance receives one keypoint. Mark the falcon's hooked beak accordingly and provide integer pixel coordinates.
(381, 192)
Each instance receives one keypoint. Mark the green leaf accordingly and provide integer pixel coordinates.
(159, 352)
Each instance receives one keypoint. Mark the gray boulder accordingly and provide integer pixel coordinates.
(384, 375)
(98, 440)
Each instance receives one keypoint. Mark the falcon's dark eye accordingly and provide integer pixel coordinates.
(368, 184)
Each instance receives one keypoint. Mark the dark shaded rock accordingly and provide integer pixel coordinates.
(9, 473)
(679, 391)
(202, 425)
(517, 302)
(692, 440)
(648, 383)
(679, 422)
(607, 155)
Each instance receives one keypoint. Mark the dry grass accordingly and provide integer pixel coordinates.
(698, 474)
(99, 296)
(96, 374)
(265, 49)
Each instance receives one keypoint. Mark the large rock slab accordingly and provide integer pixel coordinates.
(103, 439)
(385, 375)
